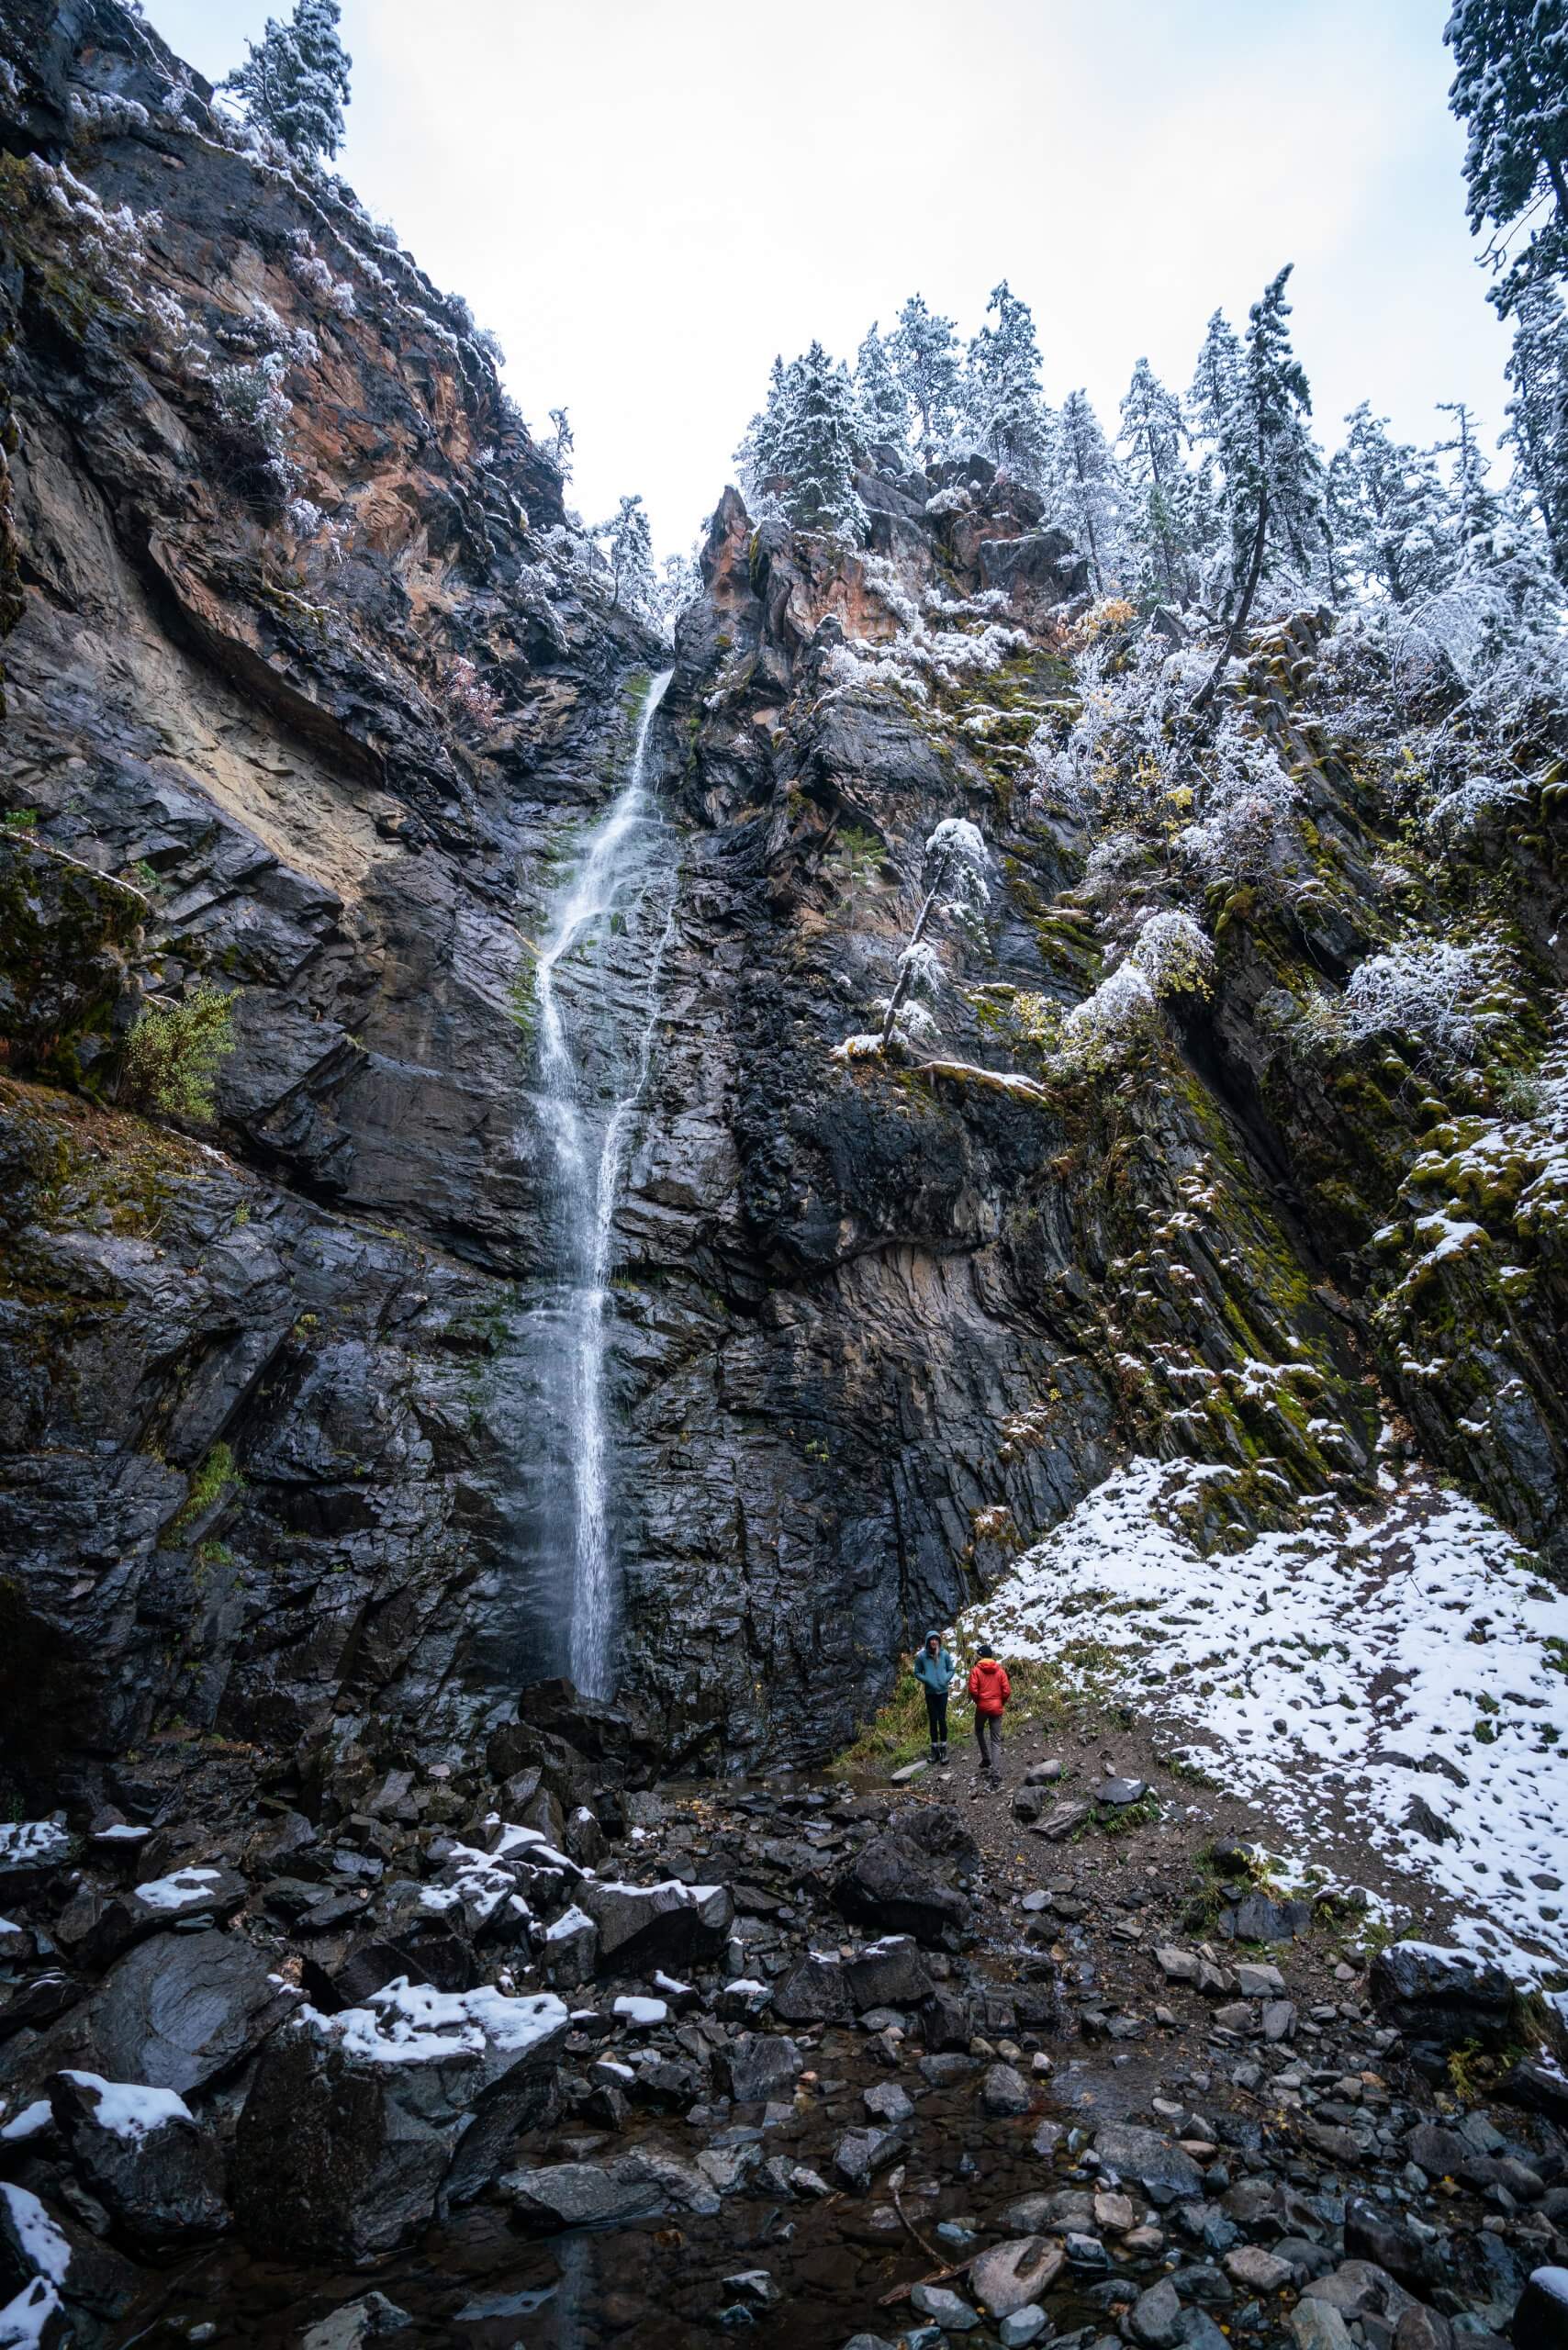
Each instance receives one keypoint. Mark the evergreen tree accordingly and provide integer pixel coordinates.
(1085, 489)
(884, 405)
(1475, 507)
(1002, 388)
(818, 446)
(1273, 475)
(559, 446)
(630, 547)
(1538, 413)
(1153, 433)
(1510, 90)
(295, 82)
(1217, 383)
(758, 460)
(1386, 510)
(925, 353)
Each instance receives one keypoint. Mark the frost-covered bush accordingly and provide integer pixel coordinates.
(956, 849)
(312, 276)
(1174, 955)
(1246, 809)
(1460, 810)
(251, 398)
(1426, 990)
(1101, 1033)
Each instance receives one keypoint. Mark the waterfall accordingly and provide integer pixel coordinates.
(596, 997)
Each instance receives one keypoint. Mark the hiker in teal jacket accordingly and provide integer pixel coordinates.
(934, 1669)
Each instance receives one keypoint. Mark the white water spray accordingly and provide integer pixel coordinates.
(595, 990)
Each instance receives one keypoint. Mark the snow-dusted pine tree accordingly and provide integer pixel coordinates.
(295, 82)
(558, 443)
(1002, 401)
(925, 353)
(884, 404)
(758, 460)
(1153, 433)
(1387, 512)
(1538, 413)
(1273, 474)
(1086, 491)
(1510, 90)
(1473, 507)
(818, 444)
(628, 545)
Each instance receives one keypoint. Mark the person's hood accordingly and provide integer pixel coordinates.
(929, 1637)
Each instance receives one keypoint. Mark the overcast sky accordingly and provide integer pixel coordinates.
(646, 201)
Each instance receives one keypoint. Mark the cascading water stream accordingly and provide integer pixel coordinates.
(596, 994)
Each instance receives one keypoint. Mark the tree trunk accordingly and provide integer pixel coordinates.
(1233, 635)
(901, 985)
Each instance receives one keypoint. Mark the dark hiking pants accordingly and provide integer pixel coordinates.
(988, 1736)
(936, 1714)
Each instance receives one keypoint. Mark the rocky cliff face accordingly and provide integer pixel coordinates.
(312, 691)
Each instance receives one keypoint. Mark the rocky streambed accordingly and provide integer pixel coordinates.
(560, 2055)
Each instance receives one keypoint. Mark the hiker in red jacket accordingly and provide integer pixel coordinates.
(991, 1689)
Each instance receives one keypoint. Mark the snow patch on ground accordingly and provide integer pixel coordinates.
(1402, 1672)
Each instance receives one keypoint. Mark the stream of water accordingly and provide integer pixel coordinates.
(595, 998)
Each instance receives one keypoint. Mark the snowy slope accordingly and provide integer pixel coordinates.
(1404, 1674)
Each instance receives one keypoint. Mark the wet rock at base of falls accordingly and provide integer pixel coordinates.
(670, 1925)
(815, 1991)
(1010, 2275)
(1156, 2317)
(428, 1951)
(860, 2154)
(181, 2011)
(372, 2319)
(1441, 1998)
(887, 1973)
(1540, 2320)
(98, 2285)
(648, 2183)
(1004, 2091)
(759, 2065)
(359, 2128)
(902, 1880)
(158, 2174)
(1165, 2174)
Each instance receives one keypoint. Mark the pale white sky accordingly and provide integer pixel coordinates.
(645, 199)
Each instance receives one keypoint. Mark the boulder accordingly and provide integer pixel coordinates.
(360, 2127)
(1441, 1999)
(1010, 2275)
(644, 1926)
(887, 1973)
(649, 2183)
(815, 1991)
(902, 1880)
(1165, 2174)
(371, 2318)
(55, 2275)
(141, 2152)
(570, 1950)
(1155, 2317)
(759, 2065)
(1541, 2320)
(1004, 2091)
(181, 2011)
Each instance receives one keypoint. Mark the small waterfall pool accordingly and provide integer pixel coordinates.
(596, 997)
